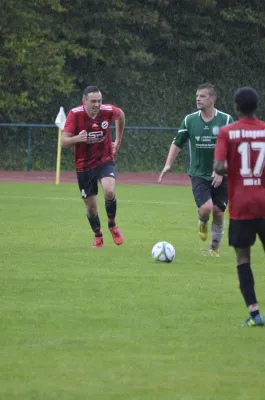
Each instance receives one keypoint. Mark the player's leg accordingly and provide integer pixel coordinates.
(217, 231)
(261, 231)
(107, 176)
(242, 235)
(220, 199)
(247, 287)
(204, 212)
(93, 219)
(202, 195)
(89, 189)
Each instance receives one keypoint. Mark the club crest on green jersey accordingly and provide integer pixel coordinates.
(216, 130)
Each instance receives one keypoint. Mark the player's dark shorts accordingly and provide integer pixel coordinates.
(204, 191)
(243, 233)
(88, 180)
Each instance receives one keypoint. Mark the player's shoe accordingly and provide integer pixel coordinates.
(98, 242)
(254, 321)
(214, 253)
(203, 231)
(117, 236)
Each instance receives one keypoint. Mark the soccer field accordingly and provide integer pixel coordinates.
(79, 323)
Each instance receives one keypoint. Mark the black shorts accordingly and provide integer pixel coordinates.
(242, 233)
(204, 191)
(88, 180)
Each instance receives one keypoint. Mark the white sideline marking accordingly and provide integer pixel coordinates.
(18, 197)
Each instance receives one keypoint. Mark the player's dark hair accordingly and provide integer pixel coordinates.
(209, 86)
(90, 89)
(247, 100)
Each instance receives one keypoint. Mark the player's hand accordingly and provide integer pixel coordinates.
(82, 137)
(163, 173)
(217, 180)
(115, 147)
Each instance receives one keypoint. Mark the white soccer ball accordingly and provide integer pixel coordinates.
(163, 252)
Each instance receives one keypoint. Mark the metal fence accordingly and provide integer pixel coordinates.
(33, 147)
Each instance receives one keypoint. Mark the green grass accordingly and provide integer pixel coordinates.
(80, 323)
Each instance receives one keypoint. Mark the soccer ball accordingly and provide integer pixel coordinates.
(163, 252)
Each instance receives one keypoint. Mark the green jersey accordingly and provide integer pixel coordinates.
(202, 138)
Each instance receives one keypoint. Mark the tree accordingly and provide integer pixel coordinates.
(32, 58)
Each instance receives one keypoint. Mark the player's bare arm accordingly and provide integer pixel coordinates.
(220, 167)
(119, 125)
(172, 155)
(68, 139)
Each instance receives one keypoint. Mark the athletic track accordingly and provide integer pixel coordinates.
(135, 178)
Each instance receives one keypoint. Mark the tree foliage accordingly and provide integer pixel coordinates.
(146, 56)
(32, 57)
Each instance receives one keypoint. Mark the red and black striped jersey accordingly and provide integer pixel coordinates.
(98, 148)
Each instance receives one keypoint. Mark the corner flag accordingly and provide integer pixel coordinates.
(60, 121)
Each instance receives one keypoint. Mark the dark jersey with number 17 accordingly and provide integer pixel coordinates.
(242, 145)
(98, 148)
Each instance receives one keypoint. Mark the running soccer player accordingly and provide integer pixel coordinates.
(240, 150)
(209, 189)
(87, 128)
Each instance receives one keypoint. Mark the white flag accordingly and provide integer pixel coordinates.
(60, 119)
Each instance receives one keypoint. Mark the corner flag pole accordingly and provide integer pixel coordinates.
(60, 121)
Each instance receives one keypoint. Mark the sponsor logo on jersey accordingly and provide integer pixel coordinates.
(216, 130)
(104, 124)
(95, 137)
(205, 142)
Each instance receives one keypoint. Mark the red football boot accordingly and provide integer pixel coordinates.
(117, 236)
(98, 242)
